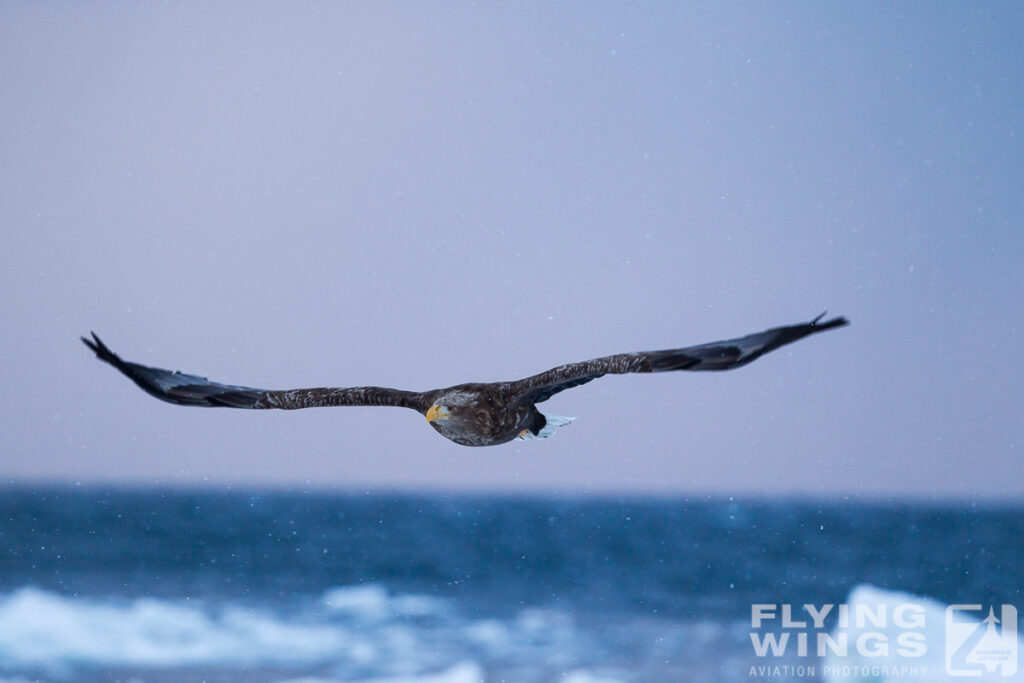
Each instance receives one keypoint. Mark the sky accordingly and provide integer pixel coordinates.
(421, 194)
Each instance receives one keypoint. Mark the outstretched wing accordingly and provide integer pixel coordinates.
(720, 355)
(192, 390)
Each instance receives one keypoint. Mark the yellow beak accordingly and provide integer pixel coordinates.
(437, 412)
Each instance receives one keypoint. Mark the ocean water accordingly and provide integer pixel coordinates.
(146, 585)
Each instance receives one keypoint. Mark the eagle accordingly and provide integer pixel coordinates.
(475, 414)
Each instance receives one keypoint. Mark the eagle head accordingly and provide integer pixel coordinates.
(451, 410)
(438, 412)
(472, 418)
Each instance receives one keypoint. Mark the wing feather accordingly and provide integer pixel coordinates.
(192, 390)
(719, 355)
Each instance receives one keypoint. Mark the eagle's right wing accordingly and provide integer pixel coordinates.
(192, 390)
(720, 355)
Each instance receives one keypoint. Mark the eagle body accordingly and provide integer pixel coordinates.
(483, 415)
(475, 414)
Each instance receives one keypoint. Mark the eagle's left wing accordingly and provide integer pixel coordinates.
(720, 355)
(192, 390)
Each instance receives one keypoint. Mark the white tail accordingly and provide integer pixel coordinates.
(553, 423)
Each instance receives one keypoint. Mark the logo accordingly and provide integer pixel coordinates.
(977, 646)
(881, 635)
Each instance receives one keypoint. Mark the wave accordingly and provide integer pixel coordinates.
(368, 633)
(937, 650)
(464, 672)
(361, 632)
(39, 628)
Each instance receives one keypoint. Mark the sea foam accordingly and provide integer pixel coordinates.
(927, 667)
(40, 628)
(360, 632)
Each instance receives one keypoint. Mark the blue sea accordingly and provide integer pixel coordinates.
(169, 585)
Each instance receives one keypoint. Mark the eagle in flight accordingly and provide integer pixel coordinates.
(468, 414)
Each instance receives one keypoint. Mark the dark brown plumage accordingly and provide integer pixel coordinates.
(468, 414)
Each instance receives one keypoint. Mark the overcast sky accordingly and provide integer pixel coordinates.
(416, 195)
